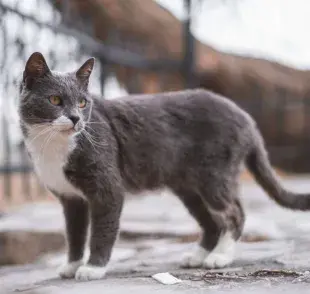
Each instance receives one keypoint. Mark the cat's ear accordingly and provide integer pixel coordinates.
(83, 73)
(36, 68)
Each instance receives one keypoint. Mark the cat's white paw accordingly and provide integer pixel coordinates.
(89, 272)
(68, 270)
(223, 253)
(194, 258)
(218, 260)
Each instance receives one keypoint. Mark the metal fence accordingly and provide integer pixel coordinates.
(25, 25)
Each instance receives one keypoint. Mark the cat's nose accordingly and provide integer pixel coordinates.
(74, 119)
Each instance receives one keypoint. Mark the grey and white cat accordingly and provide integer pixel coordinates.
(89, 152)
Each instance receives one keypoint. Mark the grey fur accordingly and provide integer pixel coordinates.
(193, 142)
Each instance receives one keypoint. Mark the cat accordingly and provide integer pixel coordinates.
(90, 152)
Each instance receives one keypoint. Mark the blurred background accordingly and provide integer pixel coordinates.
(255, 52)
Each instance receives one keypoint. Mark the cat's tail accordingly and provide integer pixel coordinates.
(259, 165)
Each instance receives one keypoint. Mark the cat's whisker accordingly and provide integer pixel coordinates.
(17, 122)
(49, 138)
(85, 133)
(42, 132)
(61, 124)
(92, 140)
(93, 122)
(92, 135)
(47, 133)
(38, 126)
(91, 129)
(46, 139)
(97, 143)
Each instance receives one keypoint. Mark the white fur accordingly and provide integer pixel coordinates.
(89, 272)
(222, 255)
(194, 258)
(68, 270)
(49, 150)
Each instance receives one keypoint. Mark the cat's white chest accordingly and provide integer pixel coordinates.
(49, 156)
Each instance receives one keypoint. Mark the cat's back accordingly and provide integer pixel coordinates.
(197, 105)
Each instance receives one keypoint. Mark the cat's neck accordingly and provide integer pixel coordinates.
(43, 142)
(50, 152)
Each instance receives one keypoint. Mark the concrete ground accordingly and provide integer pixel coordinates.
(153, 234)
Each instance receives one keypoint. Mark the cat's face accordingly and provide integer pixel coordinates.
(54, 100)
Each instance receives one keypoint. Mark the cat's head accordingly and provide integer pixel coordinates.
(57, 100)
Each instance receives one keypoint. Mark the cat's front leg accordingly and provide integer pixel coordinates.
(77, 218)
(105, 217)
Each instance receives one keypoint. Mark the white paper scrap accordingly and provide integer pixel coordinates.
(166, 278)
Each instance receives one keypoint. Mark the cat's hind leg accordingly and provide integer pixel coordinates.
(220, 215)
(223, 254)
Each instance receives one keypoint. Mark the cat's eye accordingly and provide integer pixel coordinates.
(82, 103)
(55, 100)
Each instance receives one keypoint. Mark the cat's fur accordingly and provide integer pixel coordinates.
(193, 142)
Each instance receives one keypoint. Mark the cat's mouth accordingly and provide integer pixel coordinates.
(69, 131)
(66, 129)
